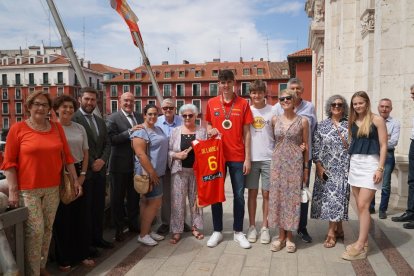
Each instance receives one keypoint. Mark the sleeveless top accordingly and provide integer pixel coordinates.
(366, 144)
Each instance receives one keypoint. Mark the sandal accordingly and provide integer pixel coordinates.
(277, 245)
(290, 247)
(352, 244)
(89, 263)
(352, 254)
(175, 238)
(329, 242)
(196, 233)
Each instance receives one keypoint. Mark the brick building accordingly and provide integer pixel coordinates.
(300, 66)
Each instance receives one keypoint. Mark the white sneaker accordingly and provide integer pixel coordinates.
(147, 240)
(240, 238)
(215, 238)
(156, 237)
(264, 235)
(252, 234)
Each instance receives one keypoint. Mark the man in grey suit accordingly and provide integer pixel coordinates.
(99, 150)
(121, 165)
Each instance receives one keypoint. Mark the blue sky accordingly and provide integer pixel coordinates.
(172, 30)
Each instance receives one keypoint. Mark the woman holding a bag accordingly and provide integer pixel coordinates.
(71, 242)
(330, 198)
(33, 164)
(151, 149)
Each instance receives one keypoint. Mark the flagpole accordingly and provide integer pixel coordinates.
(148, 67)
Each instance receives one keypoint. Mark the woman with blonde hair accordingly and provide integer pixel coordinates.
(368, 151)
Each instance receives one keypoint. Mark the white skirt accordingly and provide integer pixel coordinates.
(362, 168)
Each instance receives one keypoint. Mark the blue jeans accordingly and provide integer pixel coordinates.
(386, 183)
(410, 201)
(237, 183)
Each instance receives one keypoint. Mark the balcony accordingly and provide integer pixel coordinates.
(58, 81)
(4, 83)
(16, 83)
(44, 81)
(30, 82)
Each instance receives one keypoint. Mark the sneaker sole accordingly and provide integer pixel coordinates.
(250, 246)
(252, 240)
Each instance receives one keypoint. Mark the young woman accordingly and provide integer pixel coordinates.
(368, 151)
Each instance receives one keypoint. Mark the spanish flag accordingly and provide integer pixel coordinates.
(122, 7)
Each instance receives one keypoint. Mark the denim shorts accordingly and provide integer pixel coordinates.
(259, 169)
(156, 190)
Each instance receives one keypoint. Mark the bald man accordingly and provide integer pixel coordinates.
(121, 165)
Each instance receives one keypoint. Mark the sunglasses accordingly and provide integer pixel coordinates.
(287, 98)
(188, 116)
(337, 104)
(165, 108)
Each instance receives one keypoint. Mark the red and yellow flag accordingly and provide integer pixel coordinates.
(122, 7)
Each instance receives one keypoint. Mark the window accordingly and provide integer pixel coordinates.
(125, 88)
(137, 90)
(196, 89)
(60, 90)
(31, 60)
(90, 82)
(138, 106)
(4, 94)
(282, 86)
(167, 75)
(151, 91)
(19, 108)
(4, 79)
(284, 71)
(46, 60)
(197, 74)
(213, 87)
(5, 108)
(18, 61)
(246, 71)
(76, 80)
(198, 122)
(138, 76)
(260, 71)
(45, 78)
(198, 104)
(31, 79)
(154, 102)
(46, 89)
(98, 84)
(181, 74)
(180, 90)
(126, 76)
(19, 119)
(31, 90)
(179, 104)
(114, 91)
(60, 77)
(214, 73)
(245, 88)
(6, 123)
(114, 106)
(18, 79)
(18, 94)
(166, 90)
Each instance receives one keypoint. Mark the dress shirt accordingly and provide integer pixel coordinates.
(412, 131)
(130, 117)
(167, 127)
(93, 120)
(393, 130)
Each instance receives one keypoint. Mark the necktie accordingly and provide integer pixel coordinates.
(92, 125)
(132, 120)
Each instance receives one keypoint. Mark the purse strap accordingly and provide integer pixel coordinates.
(60, 136)
(146, 150)
(344, 142)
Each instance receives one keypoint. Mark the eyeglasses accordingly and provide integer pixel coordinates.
(170, 108)
(38, 105)
(152, 114)
(287, 98)
(340, 105)
(189, 116)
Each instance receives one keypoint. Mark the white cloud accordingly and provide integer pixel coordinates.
(293, 7)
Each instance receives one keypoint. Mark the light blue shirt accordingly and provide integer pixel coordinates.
(393, 129)
(167, 127)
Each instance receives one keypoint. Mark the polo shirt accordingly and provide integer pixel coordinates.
(233, 142)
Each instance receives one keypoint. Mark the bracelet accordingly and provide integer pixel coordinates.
(83, 173)
(380, 169)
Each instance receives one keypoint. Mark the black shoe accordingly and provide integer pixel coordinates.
(104, 244)
(382, 215)
(187, 228)
(304, 235)
(371, 210)
(403, 218)
(163, 229)
(94, 252)
(119, 236)
(409, 225)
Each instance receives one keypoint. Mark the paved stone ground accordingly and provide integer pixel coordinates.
(391, 252)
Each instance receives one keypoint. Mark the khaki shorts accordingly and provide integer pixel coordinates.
(259, 170)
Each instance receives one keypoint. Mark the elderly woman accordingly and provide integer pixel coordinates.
(33, 164)
(289, 169)
(181, 160)
(71, 242)
(330, 154)
(154, 162)
(368, 151)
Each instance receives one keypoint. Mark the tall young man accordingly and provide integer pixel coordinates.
(262, 146)
(231, 116)
(307, 109)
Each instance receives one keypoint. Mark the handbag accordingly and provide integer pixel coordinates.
(142, 183)
(67, 191)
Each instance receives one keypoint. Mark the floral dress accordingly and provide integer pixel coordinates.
(286, 175)
(330, 198)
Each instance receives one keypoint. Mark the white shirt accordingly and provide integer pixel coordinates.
(261, 131)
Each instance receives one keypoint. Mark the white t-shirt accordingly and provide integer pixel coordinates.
(261, 131)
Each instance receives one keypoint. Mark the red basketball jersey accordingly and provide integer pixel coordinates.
(209, 169)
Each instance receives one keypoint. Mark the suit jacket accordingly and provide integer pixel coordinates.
(99, 149)
(122, 154)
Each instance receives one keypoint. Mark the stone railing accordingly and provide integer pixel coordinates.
(399, 187)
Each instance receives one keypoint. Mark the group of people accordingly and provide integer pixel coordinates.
(275, 146)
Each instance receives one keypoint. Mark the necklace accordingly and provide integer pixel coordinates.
(227, 124)
(37, 127)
